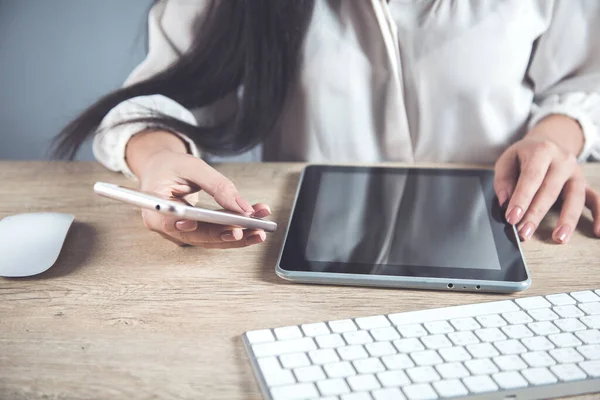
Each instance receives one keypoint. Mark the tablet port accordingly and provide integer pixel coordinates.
(478, 287)
(450, 286)
(157, 207)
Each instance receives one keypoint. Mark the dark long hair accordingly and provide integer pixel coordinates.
(249, 44)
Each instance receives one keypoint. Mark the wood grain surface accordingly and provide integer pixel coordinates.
(125, 314)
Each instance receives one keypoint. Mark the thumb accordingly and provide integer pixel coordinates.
(506, 172)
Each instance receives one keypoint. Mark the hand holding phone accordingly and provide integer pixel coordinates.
(164, 168)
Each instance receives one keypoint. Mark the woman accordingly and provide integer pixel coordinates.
(510, 82)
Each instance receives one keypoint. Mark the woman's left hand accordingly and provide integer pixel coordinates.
(533, 174)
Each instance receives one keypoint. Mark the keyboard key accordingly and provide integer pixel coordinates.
(287, 333)
(341, 369)
(517, 317)
(260, 336)
(393, 378)
(561, 299)
(269, 365)
(590, 351)
(564, 340)
(585, 296)
(539, 376)
(591, 308)
(388, 394)
(566, 355)
(483, 350)
(281, 377)
(453, 354)
(465, 324)
(543, 328)
(491, 321)
(542, 314)
(452, 370)
(294, 360)
(537, 343)
(350, 353)
(538, 359)
(323, 356)
(451, 388)
(570, 325)
(408, 345)
(423, 374)
(568, 372)
(463, 338)
(385, 334)
(480, 384)
(510, 363)
(356, 396)
(517, 331)
(380, 349)
(509, 347)
(397, 361)
(435, 342)
(482, 366)
(591, 321)
(372, 322)
(341, 326)
(411, 331)
(490, 335)
(294, 392)
(438, 327)
(510, 380)
(592, 368)
(332, 387)
(425, 358)
(368, 365)
(309, 374)
(529, 303)
(285, 347)
(358, 337)
(330, 341)
(591, 336)
(317, 329)
(360, 383)
(422, 391)
(568, 311)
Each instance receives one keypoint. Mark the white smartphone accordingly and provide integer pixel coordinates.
(148, 201)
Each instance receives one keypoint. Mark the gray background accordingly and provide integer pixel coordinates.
(56, 58)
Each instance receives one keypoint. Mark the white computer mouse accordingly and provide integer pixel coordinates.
(31, 243)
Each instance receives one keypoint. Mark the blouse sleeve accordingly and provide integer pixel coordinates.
(565, 70)
(170, 34)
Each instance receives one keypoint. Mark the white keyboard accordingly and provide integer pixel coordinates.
(529, 348)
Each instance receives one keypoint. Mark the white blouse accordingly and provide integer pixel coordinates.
(408, 80)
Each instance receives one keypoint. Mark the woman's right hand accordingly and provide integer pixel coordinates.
(170, 173)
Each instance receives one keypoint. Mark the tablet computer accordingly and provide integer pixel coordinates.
(401, 227)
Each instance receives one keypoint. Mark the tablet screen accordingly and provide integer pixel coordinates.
(398, 221)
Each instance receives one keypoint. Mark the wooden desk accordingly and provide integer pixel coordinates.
(127, 315)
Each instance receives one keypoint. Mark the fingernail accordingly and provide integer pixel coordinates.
(562, 234)
(244, 205)
(256, 238)
(232, 235)
(502, 197)
(186, 225)
(527, 231)
(514, 215)
(261, 213)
